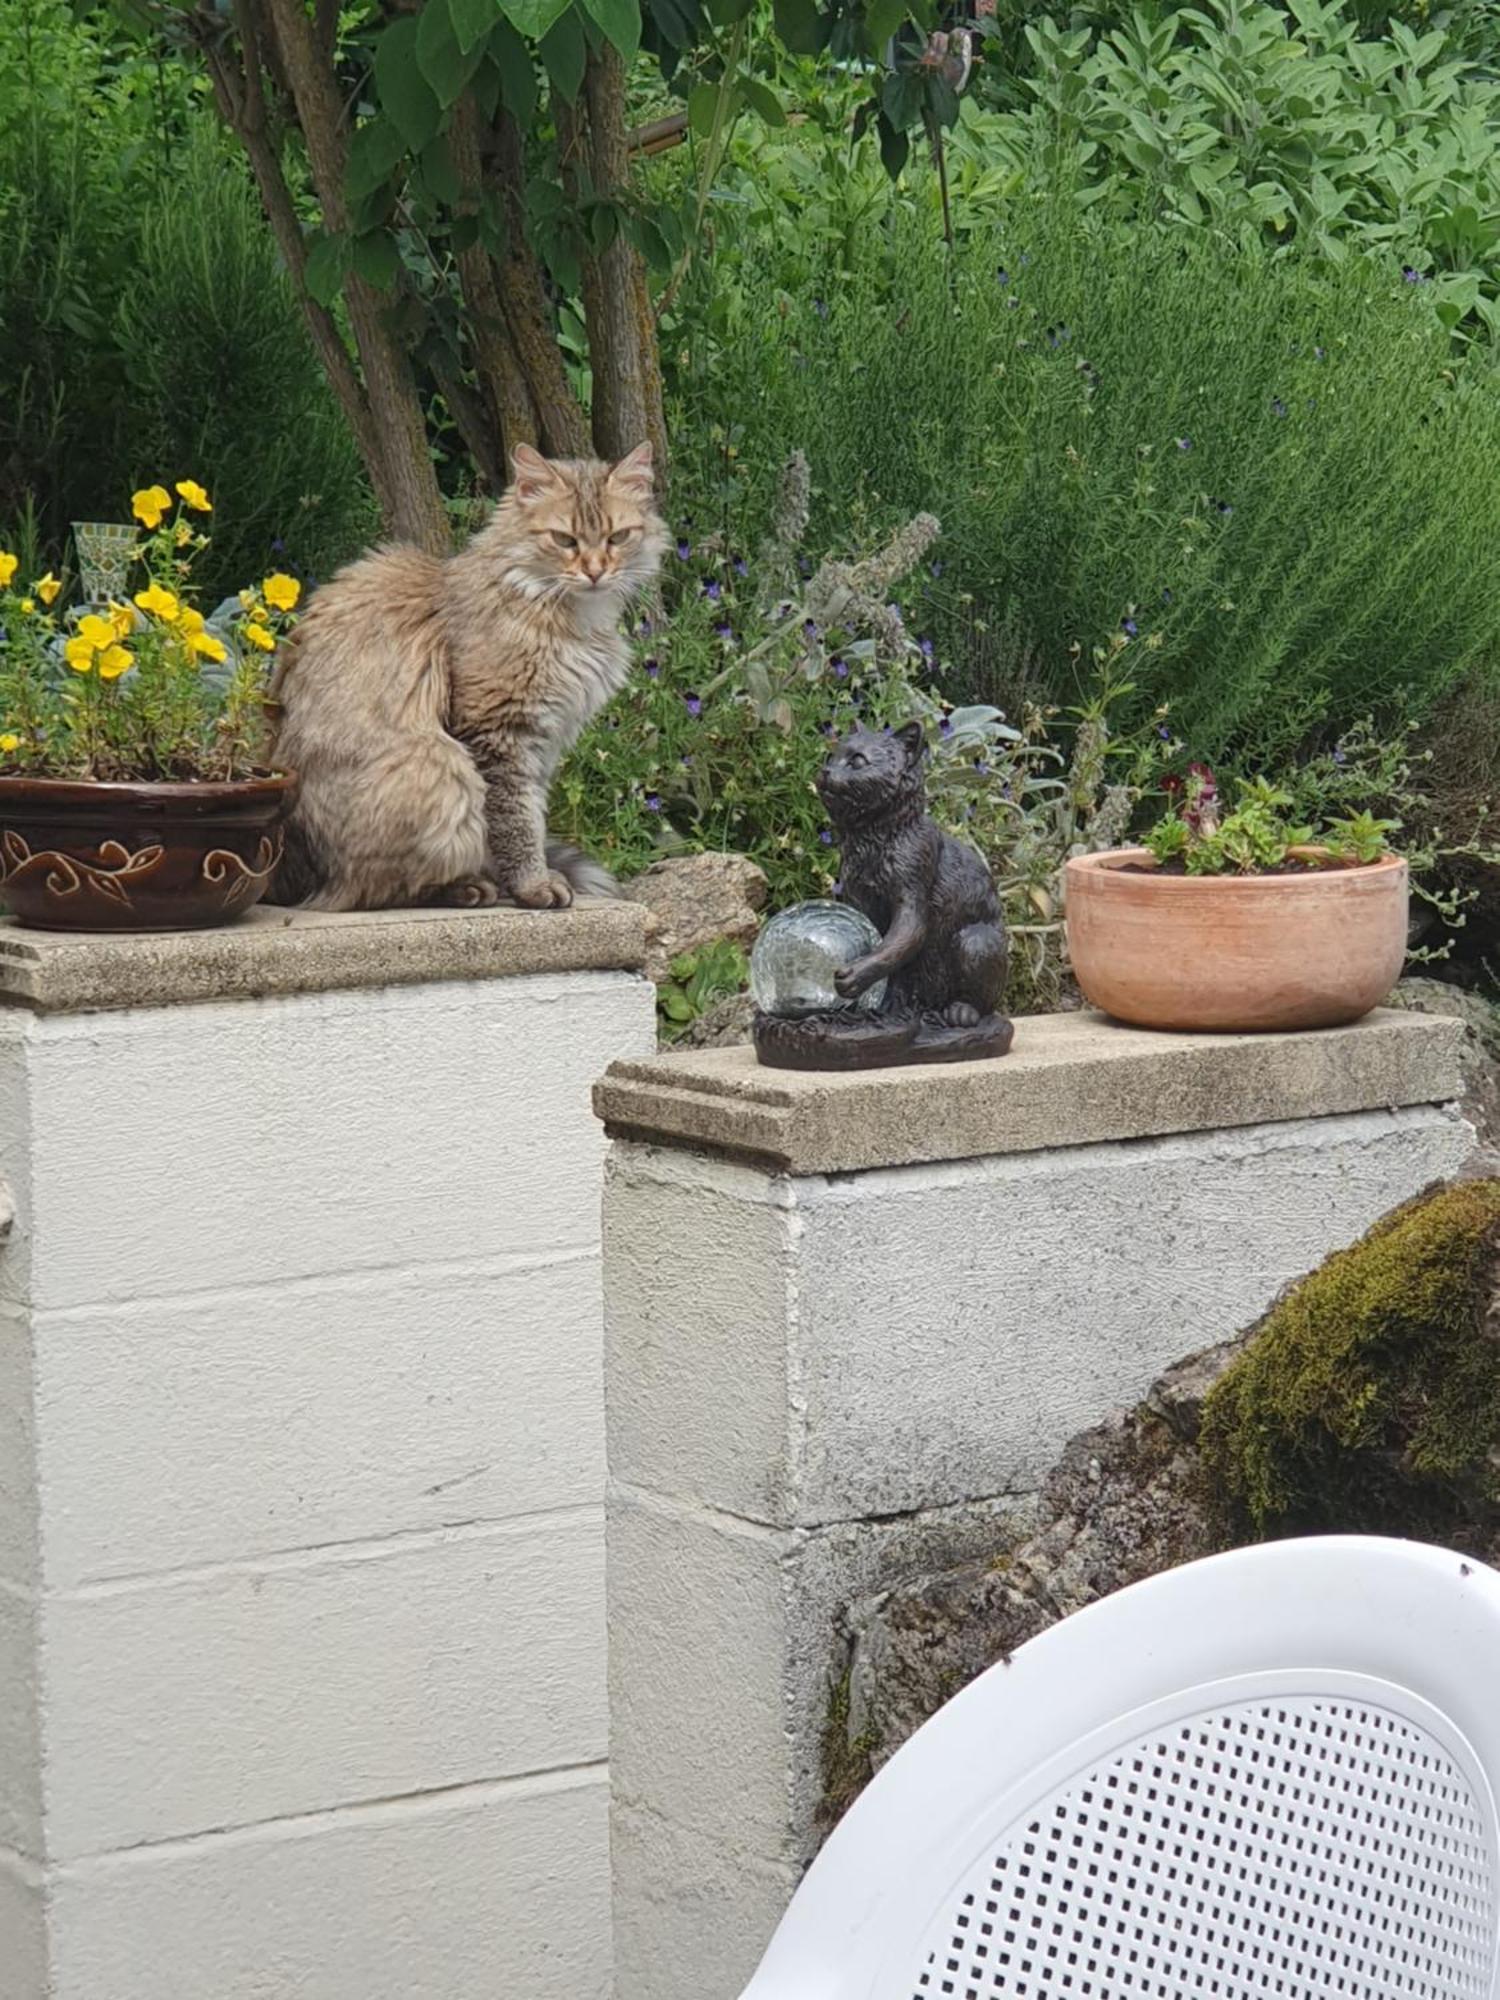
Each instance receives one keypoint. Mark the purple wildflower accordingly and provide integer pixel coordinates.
(684, 548)
(945, 727)
(740, 566)
(809, 630)
(724, 630)
(1163, 732)
(1413, 277)
(840, 669)
(1129, 627)
(1184, 444)
(838, 887)
(1339, 756)
(1278, 408)
(653, 802)
(825, 836)
(1320, 354)
(1002, 276)
(713, 590)
(820, 307)
(982, 768)
(278, 546)
(926, 648)
(1166, 597)
(1222, 506)
(653, 668)
(693, 704)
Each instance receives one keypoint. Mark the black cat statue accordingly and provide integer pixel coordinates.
(942, 950)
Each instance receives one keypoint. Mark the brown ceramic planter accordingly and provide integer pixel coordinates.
(1242, 952)
(78, 856)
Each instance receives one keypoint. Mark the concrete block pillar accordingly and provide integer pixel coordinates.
(850, 1322)
(302, 1622)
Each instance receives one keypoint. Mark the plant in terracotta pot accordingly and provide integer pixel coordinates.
(133, 788)
(1239, 919)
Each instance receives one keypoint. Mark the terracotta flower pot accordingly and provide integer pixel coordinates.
(1309, 949)
(79, 856)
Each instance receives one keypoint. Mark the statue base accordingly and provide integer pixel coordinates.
(850, 1038)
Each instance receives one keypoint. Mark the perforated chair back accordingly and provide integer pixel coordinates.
(1268, 1776)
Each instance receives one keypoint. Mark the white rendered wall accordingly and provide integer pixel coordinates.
(302, 1627)
(817, 1383)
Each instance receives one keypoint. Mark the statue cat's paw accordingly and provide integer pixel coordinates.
(960, 1014)
(849, 981)
(547, 892)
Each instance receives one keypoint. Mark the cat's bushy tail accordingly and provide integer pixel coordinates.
(587, 877)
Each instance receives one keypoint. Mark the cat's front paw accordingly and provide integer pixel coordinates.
(547, 892)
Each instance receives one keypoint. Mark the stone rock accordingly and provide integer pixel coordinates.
(1124, 1501)
(1479, 1057)
(694, 899)
(724, 1025)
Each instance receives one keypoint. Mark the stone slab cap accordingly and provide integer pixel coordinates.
(310, 951)
(1071, 1080)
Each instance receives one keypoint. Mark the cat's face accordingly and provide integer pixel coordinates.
(589, 527)
(871, 770)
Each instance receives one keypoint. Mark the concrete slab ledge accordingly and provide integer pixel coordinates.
(274, 951)
(1071, 1080)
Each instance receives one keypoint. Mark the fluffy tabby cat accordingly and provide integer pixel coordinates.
(425, 703)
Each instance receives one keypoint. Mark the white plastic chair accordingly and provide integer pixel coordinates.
(1272, 1773)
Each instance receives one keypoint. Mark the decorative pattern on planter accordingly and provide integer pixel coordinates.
(67, 874)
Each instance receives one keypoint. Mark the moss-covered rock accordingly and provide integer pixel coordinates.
(1368, 1399)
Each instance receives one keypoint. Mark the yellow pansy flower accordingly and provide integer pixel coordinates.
(47, 587)
(10, 741)
(79, 655)
(259, 636)
(113, 661)
(189, 620)
(160, 603)
(206, 646)
(282, 592)
(149, 504)
(97, 632)
(121, 618)
(8, 567)
(195, 496)
(28, 605)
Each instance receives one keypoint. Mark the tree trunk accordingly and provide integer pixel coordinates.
(502, 380)
(402, 469)
(622, 339)
(523, 293)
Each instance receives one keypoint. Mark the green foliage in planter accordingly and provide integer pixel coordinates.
(147, 322)
(1369, 1398)
(149, 689)
(1266, 476)
(1259, 834)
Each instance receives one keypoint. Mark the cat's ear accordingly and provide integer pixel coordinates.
(633, 473)
(913, 739)
(534, 477)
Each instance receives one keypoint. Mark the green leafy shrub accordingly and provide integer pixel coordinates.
(1265, 475)
(1238, 115)
(695, 981)
(147, 323)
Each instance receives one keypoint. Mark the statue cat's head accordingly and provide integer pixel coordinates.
(874, 774)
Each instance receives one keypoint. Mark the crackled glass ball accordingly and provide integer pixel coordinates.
(798, 952)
